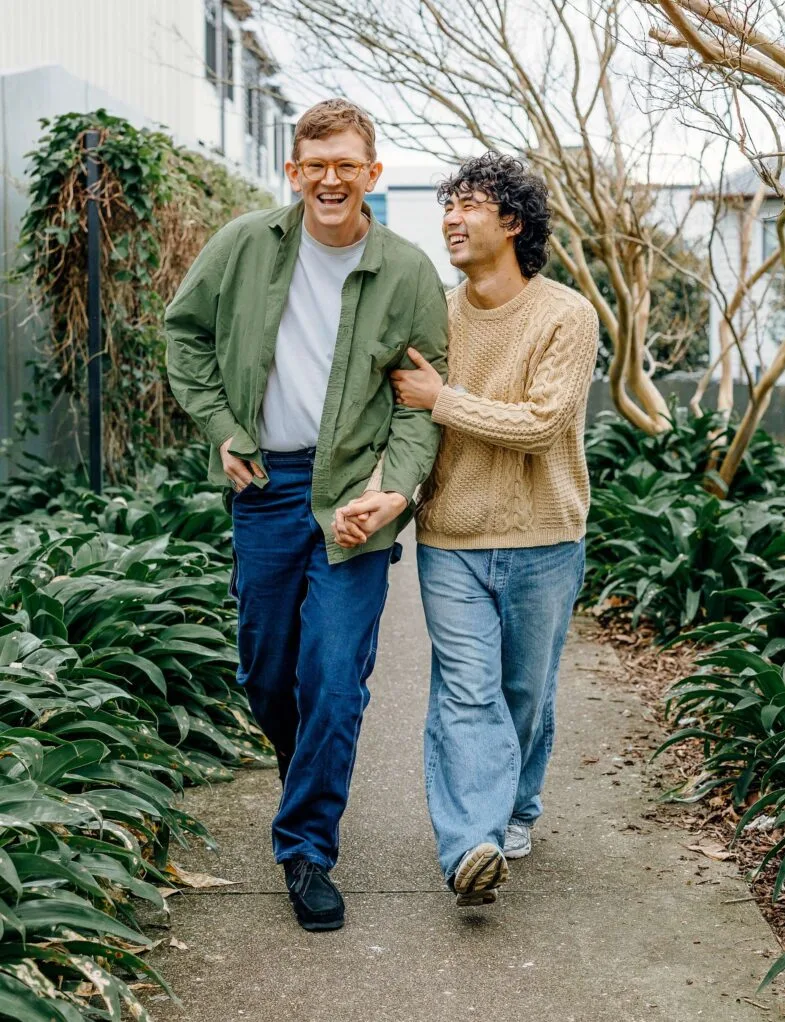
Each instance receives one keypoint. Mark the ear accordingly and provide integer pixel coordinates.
(511, 232)
(294, 175)
(373, 176)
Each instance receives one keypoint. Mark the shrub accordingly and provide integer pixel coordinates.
(158, 205)
(116, 690)
(660, 548)
(735, 706)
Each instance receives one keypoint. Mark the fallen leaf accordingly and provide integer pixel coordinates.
(195, 880)
(179, 944)
(167, 892)
(712, 850)
(590, 759)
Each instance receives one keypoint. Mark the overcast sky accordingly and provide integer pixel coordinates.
(675, 162)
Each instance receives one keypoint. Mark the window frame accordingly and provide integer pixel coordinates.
(769, 240)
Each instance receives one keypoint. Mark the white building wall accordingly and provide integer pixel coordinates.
(148, 54)
(677, 209)
(145, 53)
(415, 214)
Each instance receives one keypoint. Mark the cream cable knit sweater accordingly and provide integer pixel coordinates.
(511, 470)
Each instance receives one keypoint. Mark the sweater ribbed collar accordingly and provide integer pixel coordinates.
(522, 300)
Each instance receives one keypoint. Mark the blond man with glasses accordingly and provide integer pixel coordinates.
(281, 341)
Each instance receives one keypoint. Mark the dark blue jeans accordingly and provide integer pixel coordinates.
(307, 634)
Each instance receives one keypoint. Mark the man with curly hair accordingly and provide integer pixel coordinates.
(501, 520)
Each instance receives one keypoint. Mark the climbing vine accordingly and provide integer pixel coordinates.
(158, 205)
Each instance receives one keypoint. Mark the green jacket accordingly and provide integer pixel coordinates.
(222, 326)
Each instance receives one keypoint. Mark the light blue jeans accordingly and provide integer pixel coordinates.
(497, 620)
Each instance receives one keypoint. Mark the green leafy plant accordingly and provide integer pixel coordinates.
(158, 204)
(116, 690)
(660, 548)
(615, 447)
(735, 707)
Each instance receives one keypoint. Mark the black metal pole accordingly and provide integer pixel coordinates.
(94, 340)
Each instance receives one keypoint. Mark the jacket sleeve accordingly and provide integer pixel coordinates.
(191, 360)
(559, 385)
(414, 437)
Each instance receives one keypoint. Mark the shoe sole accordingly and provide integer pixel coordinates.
(477, 898)
(316, 925)
(313, 927)
(484, 871)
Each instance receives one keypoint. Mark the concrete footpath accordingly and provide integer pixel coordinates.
(612, 918)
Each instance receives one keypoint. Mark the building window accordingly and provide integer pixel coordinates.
(378, 203)
(770, 240)
(255, 114)
(228, 69)
(211, 13)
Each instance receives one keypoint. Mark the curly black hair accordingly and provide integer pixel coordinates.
(522, 197)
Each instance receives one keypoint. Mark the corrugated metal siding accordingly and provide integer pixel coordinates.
(146, 53)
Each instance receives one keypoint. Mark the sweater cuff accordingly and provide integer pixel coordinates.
(446, 403)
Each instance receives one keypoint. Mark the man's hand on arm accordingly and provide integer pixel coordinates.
(238, 471)
(356, 522)
(417, 388)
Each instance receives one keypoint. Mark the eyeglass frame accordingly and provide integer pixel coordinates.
(334, 164)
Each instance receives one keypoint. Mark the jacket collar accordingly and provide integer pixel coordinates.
(289, 219)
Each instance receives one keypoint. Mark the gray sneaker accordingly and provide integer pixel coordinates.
(481, 871)
(517, 840)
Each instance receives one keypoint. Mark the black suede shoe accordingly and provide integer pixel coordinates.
(316, 900)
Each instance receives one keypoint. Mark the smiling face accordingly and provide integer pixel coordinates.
(333, 207)
(473, 231)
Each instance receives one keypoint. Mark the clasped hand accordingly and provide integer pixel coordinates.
(355, 523)
(416, 388)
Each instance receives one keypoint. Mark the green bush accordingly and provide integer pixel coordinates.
(117, 662)
(158, 205)
(735, 706)
(660, 548)
(615, 447)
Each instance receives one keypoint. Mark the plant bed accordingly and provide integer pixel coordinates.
(650, 671)
(117, 662)
(690, 590)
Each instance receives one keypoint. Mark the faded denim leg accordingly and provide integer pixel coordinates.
(472, 758)
(536, 603)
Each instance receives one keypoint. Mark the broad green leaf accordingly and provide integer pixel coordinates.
(47, 916)
(19, 1002)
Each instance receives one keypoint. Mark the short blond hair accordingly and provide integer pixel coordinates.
(331, 116)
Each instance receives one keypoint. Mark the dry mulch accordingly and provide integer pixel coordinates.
(649, 671)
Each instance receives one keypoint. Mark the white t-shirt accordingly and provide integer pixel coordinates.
(304, 348)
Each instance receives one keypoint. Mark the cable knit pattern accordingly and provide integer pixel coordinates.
(511, 470)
